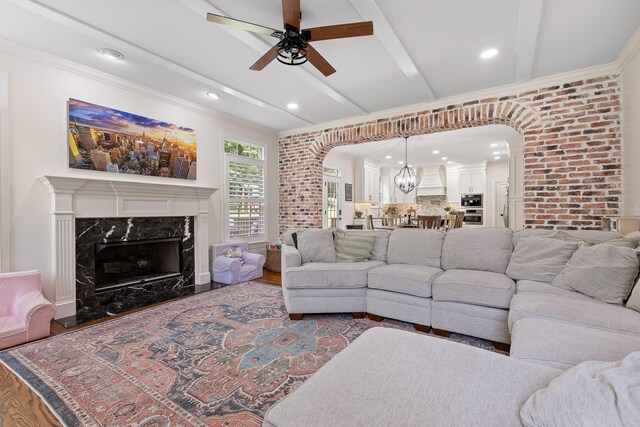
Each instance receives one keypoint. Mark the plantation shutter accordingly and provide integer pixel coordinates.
(246, 180)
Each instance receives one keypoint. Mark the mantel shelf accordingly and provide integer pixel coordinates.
(69, 185)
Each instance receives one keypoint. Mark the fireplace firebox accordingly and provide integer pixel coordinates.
(119, 264)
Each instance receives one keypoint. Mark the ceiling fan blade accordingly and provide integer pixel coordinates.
(291, 13)
(319, 62)
(340, 31)
(265, 59)
(247, 26)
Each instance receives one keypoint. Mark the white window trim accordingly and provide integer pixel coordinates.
(225, 181)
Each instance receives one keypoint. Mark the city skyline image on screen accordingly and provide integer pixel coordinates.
(108, 140)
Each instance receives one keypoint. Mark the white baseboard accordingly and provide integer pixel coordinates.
(65, 309)
(203, 278)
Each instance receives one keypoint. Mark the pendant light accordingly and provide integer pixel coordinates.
(406, 180)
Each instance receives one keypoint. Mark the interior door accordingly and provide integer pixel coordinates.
(331, 205)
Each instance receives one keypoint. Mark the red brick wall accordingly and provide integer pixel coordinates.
(572, 151)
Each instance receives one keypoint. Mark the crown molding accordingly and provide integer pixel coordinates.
(629, 50)
(611, 68)
(102, 77)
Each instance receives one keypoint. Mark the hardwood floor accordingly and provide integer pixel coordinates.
(21, 406)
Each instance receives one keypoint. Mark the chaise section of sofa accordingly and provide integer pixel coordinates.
(388, 377)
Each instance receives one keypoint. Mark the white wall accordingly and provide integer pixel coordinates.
(36, 136)
(631, 136)
(345, 164)
(495, 172)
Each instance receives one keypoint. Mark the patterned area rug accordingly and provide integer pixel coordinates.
(221, 358)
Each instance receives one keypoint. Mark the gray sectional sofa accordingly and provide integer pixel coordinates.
(391, 377)
(453, 282)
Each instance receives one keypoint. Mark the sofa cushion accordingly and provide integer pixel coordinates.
(539, 259)
(352, 247)
(562, 345)
(407, 279)
(388, 377)
(381, 245)
(603, 394)
(485, 249)
(415, 247)
(581, 311)
(605, 272)
(524, 286)
(316, 245)
(474, 287)
(329, 275)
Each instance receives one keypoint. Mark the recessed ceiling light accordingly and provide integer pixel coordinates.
(495, 144)
(401, 162)
(292, 106)
(114, 55)
(436, 151)
(489, 53)
(496, 158)
(387, 157)
(443, 158)
(213, 95)
(449, 162)
(410, 166)
(495, 153)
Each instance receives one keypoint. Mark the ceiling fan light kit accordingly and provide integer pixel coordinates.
(293, 47)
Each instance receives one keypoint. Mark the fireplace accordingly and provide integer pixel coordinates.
(119, 264)
(127, 263)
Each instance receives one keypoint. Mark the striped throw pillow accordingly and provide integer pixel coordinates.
(353, 247)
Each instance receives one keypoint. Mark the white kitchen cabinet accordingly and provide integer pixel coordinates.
(367, 182)
(472, 179)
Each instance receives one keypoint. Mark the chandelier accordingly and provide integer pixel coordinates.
(406, 180)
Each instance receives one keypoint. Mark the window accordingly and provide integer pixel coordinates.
(245, 167)
(331, 171)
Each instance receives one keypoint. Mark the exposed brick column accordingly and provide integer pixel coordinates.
(572, 151)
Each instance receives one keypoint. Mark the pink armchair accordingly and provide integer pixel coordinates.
(25, 315)
(230, 270)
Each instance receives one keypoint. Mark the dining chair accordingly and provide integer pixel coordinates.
(449, 222)
(431, 222)
(459, 219)
(394, 220)
(369, 222)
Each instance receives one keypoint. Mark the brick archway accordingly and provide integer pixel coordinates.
(571, 149)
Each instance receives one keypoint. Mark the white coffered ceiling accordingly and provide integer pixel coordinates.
(422, 50)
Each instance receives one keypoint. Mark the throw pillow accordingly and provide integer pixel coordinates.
(634, 300)
(235, 253)
(353, 247)
(627, 242)
(539, 259)
(316, 245)
(599, 394)
(604, 272)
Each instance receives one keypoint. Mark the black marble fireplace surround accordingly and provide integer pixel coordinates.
(93, 233)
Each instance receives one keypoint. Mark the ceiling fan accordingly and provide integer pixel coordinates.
(293, 47)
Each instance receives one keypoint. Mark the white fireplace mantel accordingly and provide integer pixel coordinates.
(75, 197)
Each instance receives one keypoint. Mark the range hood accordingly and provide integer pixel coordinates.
(433, 182)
